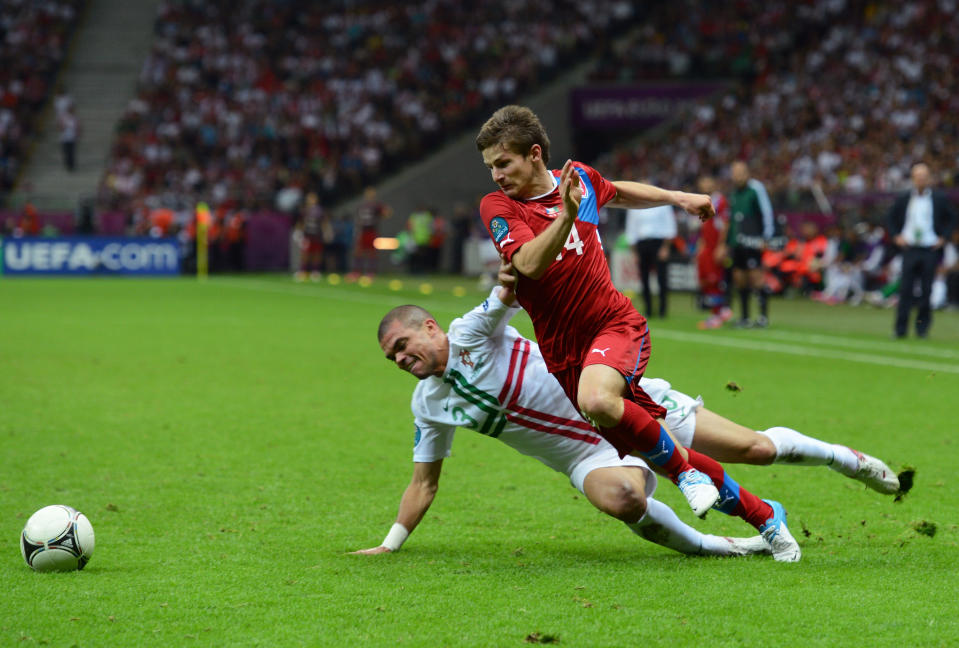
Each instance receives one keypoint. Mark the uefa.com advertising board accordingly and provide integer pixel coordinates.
(89, 255)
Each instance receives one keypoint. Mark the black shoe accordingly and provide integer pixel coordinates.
(743, 324)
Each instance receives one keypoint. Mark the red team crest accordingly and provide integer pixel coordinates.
(465, 358)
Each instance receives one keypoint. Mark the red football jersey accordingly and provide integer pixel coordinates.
(711, 228)
(575, 299)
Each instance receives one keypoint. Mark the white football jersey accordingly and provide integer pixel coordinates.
(496, 383)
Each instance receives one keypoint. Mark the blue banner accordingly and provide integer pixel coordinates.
(89, 255)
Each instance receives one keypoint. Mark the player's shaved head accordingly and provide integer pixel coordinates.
(517, 128)
(408, 315)
(412, 340)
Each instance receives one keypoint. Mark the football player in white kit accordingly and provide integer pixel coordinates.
(483, 375)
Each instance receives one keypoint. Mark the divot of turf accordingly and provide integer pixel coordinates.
(537, 638)
(906, 478)
(925, 527)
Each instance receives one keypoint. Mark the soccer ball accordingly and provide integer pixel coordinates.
(57, 538)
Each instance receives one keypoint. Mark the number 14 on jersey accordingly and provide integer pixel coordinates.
(576, 243)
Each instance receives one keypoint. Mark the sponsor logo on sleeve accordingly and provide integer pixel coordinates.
(417, 436)
(498, 228)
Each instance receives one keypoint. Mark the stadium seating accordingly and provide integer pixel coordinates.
(250, 103)
(33, 42)
(843, 94)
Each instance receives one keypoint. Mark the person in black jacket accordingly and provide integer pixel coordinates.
(919, 224)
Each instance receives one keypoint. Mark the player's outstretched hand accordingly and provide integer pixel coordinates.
(697, 205)
(371, 551)
(570, 190)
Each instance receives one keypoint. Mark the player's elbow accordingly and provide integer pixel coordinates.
(424, 489)
(528, 268)
(427, 489)
(526, 262)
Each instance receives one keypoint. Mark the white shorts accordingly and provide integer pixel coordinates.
(607, 457)
(681, 415)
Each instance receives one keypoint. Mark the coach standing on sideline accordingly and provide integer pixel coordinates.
(920, 222)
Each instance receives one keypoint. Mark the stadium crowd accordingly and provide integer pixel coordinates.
(33, 41)
(257, 104)
(841, 94)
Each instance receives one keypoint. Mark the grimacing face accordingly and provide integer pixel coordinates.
(421, 351)
(512, 172)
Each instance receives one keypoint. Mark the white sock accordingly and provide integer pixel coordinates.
(793, 447)
(662, 526)
(716, 546)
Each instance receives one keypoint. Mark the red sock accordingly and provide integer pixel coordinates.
(733, 498)
(638, 431)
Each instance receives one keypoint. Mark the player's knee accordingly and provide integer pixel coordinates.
(761, 452)
(600, 407)
(624, 502)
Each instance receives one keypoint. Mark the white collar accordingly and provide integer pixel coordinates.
(543, 195)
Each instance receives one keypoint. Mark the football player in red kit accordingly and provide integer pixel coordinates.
(544, 223)
(710, 256)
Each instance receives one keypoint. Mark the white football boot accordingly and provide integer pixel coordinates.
(776, 534)
(699, 490)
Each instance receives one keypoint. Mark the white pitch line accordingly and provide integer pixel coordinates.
(836, 340)
(326, 292)
(792, 349)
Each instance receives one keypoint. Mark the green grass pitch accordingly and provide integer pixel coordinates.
(231, 440)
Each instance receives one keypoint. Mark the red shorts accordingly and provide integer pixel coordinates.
(314, 245)
(367, 236)
(624, 347)
(710, 272)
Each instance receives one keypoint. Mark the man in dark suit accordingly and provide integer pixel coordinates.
(919, 224)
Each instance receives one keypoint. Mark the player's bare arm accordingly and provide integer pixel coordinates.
(535, 256)
(637, 195)
(416, 500)
(507, 282)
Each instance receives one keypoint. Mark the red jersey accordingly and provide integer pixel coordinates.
(575, 299)
(710, 230)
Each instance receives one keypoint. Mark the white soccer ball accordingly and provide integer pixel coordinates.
(57, 538)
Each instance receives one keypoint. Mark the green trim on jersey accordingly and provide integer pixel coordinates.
(495, 420)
